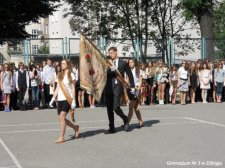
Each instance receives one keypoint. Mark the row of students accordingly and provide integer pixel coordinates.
(194, 80)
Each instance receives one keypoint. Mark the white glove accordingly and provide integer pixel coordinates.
(132, 91)
(73, 105)
(51, 102)
(113, 68)
(138, 93)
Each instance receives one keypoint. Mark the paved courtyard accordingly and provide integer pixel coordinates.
(173, 136)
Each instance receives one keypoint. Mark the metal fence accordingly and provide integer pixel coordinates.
(171, 50)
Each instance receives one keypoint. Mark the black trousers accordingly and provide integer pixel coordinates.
(113, 104)
(13, 100)
(21, 94)
(47, 94)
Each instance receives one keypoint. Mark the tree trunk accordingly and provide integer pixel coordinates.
(206, 27)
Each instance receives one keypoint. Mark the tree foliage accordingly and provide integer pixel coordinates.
(202, 12)
(16, 14)
(194, 9)
(219, 30)
(143, 19)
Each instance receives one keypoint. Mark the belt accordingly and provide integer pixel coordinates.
(183, 79)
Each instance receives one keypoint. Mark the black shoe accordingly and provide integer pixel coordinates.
(126, 126)
(110, 131)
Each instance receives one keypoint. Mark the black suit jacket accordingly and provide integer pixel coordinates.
(111, 86)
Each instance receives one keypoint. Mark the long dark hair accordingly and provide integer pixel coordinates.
(137, 69)
(31, 69)
(56, 69)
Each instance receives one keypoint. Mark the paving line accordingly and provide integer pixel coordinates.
(94, 121)
(84, 128)
(10, 154)
(206, 122)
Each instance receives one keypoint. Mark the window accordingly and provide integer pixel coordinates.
(34, 49)
(34, 33)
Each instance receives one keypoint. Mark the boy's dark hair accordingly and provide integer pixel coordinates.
(112, 48)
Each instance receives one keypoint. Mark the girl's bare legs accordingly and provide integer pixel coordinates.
(193, 95)
(75, 127)
(159, 93)
(133, 106)
(174, 95)
(7, 101)
(214, 96)
(63, 123)
(79, 98)
(152, 95)
(181, 97)
(131, 110)
(163, 92)
(62, 120)
(82, 99)
(143, 95)
(138, 113)
(184, 97)
(204, 95)
(93, 101)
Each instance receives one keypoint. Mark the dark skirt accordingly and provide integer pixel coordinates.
(150, 81)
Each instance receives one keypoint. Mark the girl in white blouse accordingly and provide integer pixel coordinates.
(134, 99)
(205, 78)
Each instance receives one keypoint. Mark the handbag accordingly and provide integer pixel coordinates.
(68, 98)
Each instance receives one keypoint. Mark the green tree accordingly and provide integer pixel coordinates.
(202, 12)
(219, 30)
(44, 49)
(16, 14)
(143, 19)
(169, 21)
(107, 17)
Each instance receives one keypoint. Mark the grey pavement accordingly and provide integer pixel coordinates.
(174, 136)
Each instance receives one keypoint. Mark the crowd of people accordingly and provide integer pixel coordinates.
(33, 86)
(30, 86)
(200, 81)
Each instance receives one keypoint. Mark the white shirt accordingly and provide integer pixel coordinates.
(34, 81)
(55, 77)
(75, 71)
(115, 63)
(143, 74)
(136, 80)
(48, 74)
(68, 86)
(183, 73)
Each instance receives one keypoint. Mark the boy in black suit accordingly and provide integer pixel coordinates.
(114, 89)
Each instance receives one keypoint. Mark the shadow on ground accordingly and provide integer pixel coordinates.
(91, 133)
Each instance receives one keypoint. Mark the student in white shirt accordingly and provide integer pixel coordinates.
(205, 78)
(134, 101)
(47, 77)
(67, 78)
(35, 82)
(183, 82)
